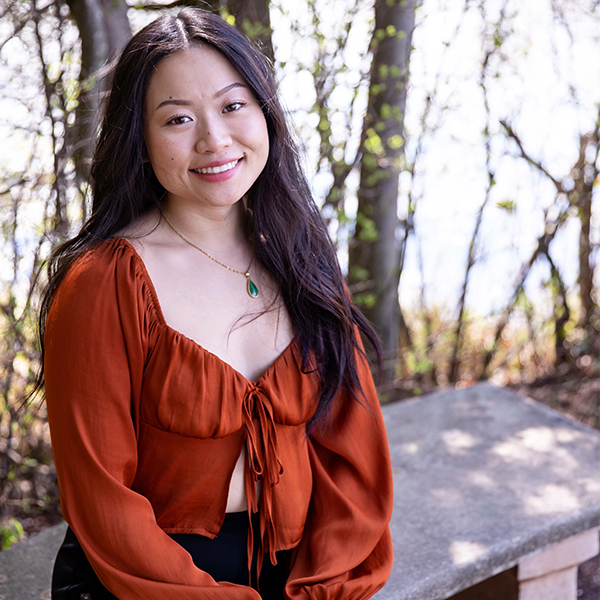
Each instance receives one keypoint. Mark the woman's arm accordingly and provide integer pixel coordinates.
(346, 549)
(96, 346)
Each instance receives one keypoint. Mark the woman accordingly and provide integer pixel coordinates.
(215, 426)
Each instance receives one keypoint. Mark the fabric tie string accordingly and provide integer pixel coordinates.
(263, 466)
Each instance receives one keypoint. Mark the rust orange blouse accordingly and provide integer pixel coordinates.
(147, 427)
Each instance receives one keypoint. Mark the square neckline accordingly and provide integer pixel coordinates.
(163, 322)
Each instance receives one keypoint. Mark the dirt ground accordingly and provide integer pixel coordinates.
(575, 393)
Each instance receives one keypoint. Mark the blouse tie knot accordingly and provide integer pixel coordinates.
(263, 466)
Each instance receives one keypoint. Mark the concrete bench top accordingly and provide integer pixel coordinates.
(482, 478)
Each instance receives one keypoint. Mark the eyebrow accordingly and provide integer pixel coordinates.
(176, 102)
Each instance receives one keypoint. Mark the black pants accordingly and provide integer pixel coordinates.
(225, 558)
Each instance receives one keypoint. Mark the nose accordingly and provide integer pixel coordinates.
(212, 136)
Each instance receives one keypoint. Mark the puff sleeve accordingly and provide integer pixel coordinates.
(346, 549)
(96, 344)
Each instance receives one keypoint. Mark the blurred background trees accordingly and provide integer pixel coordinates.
(452, 144)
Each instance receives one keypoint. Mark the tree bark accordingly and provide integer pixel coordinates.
(584, 211)
(104, 29)
(374, 255)
(586, 271)
(252, 17)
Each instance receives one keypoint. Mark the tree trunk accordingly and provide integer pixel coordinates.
(104, 29)
(589, 173)
(586, 271)
(374, 254)
(252, 17)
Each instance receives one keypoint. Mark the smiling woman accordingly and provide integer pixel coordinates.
(204, 433)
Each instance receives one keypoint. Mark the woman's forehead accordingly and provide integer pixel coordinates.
(199, 70)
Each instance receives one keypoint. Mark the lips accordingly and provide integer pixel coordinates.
(217, 169)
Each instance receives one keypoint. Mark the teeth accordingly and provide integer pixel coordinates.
(211, 170)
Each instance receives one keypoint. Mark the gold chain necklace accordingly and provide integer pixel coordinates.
(250, 285)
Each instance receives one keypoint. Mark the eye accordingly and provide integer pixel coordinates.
(178, 120)
(233, 106)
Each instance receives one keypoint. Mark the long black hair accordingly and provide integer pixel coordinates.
(290, 238)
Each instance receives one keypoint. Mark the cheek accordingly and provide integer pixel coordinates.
(163, 154)
(260, 135)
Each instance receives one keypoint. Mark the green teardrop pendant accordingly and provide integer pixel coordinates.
(252, 289)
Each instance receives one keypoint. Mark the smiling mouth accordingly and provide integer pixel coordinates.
(220, 169)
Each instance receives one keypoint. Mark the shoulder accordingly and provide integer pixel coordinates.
(105, 289)
(108, 274)
(99, 264)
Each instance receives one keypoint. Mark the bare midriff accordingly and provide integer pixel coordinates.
(236, 500)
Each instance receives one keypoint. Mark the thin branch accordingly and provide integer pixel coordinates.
(511, 133)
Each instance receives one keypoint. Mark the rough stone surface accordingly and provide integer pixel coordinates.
(26, 569)
(481, 479)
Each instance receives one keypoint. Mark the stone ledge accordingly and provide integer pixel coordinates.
(482, 478)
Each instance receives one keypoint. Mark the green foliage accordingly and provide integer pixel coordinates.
(377, 88)
(367, 229)
(358, 273)
(523, 302)
(226, 15)
(395, 142)
(11, 532)
(365, 300)
(254, 30)
(341, 215)
(376, 176)
(508, 205)
(373, 143)
(419, 364)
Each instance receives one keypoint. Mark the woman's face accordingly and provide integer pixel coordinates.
(205, 132)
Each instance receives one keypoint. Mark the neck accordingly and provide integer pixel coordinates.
(213, 228)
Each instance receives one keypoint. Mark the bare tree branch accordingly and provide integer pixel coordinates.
(511, 133)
